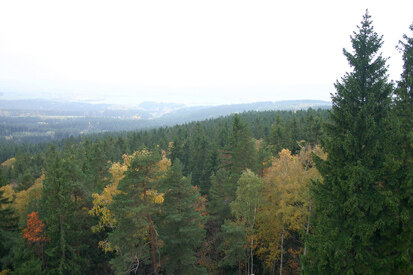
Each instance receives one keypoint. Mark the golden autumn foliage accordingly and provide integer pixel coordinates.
(22, 199)
(9, 163)
(8, 192)
(25, 197)
(103, 200)
(287, 203)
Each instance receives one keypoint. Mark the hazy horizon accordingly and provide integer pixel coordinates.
(189, 52)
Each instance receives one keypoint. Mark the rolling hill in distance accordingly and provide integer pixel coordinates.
(37, 120)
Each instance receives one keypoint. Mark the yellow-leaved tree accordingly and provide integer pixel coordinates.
(285, 213)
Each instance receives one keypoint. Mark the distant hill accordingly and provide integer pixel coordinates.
(148, 110)
(43, 120)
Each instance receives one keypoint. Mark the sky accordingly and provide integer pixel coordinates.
(192, 52)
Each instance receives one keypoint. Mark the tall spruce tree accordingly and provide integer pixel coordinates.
(243, 153)
(401, 160)
(352, 204)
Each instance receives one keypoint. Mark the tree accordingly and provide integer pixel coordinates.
(352, 204)
(132, 208)
(34, 231)
(285, 212)
(400, 159)
(60, 207)
(181, 226)
(233, 245)
(242, 150)
(3, 179)
(8, 228)
(245, 208)
(198, 158)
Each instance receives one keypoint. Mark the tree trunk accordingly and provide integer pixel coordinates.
(273, 268)
(155, 269)
(307, 230)
(252, 256)
(282, 252)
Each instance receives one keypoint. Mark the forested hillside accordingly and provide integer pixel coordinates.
(286, 192)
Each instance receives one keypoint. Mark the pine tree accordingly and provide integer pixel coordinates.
(132, 208)
(352, 204)
(181, 226)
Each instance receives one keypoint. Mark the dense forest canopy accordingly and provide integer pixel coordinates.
(288, 192)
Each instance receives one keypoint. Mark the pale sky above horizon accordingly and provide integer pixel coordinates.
(191, 52)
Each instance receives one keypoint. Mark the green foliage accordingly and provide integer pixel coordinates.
(3, 179)
(353, 204)
(233, 245)
(181, 225)
(242, 150)
(25, 259)
(400, 163)
(132, 209)
(60, 209)
(8, 230)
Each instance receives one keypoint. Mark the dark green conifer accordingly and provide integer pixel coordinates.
(181, 225)
(353, 206)
(8, 229)
(242, 150)
(400, 160)
(133, 237)
(60, 208)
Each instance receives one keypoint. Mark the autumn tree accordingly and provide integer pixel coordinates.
(34, 233)
(353, 205)
(285, 212)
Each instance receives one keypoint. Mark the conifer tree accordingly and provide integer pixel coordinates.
(8, 228)
(401, 160)
(132, 208)
(181, 226)
(3, 179)
(243, 153)
(60, 209)
(352, 204)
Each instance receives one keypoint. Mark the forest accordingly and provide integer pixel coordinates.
(286, 192)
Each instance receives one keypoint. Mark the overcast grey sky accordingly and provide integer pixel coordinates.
(193, 52)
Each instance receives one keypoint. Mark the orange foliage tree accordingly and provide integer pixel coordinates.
(34, 232)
